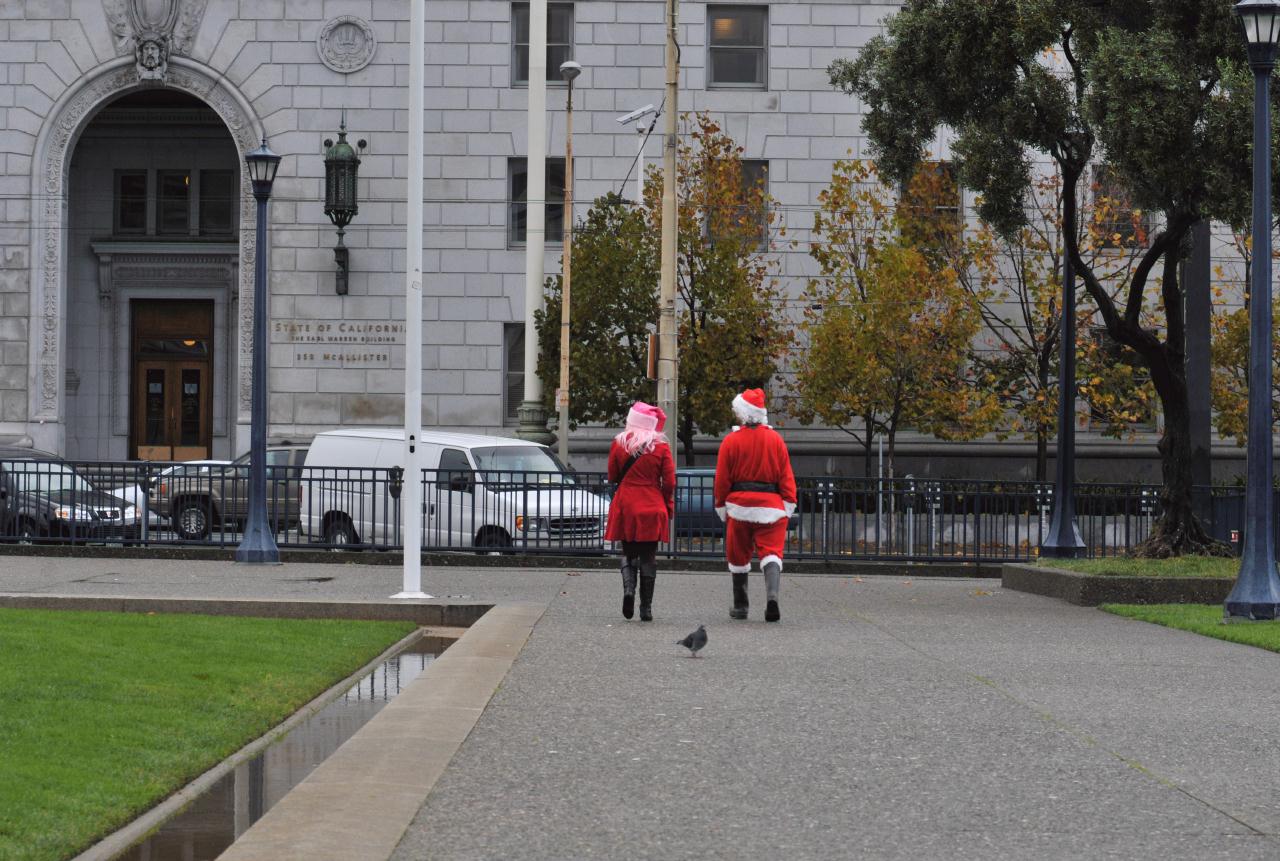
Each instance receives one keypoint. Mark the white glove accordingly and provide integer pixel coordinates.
(722, 513)
(789, 507)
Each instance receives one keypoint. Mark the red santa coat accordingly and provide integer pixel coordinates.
(645, 500)
(754, 453)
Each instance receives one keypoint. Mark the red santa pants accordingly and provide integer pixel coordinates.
(742, 539)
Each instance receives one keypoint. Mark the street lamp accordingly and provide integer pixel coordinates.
(1063, 540)
(341, 204)
(568, 70)
(1256, 594)
(258, 545)
(643, 130)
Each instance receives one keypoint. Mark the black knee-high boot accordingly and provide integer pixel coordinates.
(740, 603)
(648, 575)
(629, 572)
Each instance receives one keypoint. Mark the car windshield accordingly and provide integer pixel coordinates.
(518, 465)
(33, 476)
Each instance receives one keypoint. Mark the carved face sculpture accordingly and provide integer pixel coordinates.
(149, 55)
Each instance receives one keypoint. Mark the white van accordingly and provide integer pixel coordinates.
(478, 491)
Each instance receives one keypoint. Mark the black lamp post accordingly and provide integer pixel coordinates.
(1063, 540)
(1256, 594)
(341, 170)
(258, 545)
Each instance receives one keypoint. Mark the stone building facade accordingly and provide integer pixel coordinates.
(126, 224)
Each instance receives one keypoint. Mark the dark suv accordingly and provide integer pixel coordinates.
(198, 497)
(42, 496)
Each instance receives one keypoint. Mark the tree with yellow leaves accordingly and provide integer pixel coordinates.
(888, 326)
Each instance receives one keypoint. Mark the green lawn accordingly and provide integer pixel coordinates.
(103, 715)
(1182, 566)
(1203, 619)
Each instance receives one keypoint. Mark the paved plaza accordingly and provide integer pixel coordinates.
(885, 717)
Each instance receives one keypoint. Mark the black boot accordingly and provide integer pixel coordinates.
(648, 575)
(740, 603)
(772, 580)
(628, 587)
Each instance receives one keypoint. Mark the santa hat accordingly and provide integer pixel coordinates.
(749, 407)
(645, 417)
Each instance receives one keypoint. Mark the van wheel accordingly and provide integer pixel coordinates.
(491, 540)
(339, 531)
(192, 519)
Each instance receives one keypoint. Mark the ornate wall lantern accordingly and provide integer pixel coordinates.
(341, 169)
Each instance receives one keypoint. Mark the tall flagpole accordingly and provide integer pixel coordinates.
(411, 492)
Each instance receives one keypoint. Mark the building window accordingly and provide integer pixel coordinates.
(559, 41)
(737, 46)
(217, 208)
(131, 202)
(512, 371)
(1116, 221)
(1122, 405)
(173, 203)
(750, 217)
(949, 198)
(518, 208)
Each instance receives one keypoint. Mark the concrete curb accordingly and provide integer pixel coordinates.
(1090, 590)
(464, 559)
(357, 804)
(425, 613)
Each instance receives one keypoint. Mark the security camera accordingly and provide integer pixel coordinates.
(637, 114)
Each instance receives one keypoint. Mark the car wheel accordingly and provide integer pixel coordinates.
(339, 531)
(192, 520)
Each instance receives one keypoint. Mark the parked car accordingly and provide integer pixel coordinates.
(198, 496)
(42, 496)
(136, 494)
(479, 491)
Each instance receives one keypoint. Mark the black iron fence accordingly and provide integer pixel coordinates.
(561, 513)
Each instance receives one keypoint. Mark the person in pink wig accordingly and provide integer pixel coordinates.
(641, 465)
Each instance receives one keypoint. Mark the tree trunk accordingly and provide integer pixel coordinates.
(685, 435)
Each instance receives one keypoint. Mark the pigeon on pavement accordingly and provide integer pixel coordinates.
(694, 641)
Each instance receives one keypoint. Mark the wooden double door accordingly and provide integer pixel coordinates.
(170, 402)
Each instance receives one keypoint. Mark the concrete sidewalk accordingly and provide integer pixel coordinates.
(883, 718)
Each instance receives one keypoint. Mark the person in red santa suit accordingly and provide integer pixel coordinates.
(755, 494)
(641, 465)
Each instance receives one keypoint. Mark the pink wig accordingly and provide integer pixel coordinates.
(643, 430)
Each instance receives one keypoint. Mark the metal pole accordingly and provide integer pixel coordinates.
(1256, 594)
(668, 369)
(1063, 540)
(258, 544)
(533, 415)
(411, 494)
(641, 134)
(562, 393)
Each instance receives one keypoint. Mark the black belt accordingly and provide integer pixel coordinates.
(755, 486)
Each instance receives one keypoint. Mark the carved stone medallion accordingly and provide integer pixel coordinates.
(346, 44)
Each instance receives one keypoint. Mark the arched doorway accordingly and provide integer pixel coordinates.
(140, 247)
(151, 257)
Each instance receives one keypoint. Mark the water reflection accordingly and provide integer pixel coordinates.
(216, 819)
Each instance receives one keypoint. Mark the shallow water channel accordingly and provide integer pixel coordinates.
(217, 818)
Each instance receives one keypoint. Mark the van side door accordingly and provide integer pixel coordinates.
(456, 483)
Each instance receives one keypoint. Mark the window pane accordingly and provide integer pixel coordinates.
(131, 202)
(559, 23)
(737, 66)
(559, 40)
(217, 190)
(190, 409)
(173, 210)
(737, 26)
(557, 54)
(518, 212)
(520, 23)
(514, 370)
(153, 430)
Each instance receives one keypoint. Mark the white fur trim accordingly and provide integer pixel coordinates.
(765, 560)
(740, 569)
(789, 507)
(755, 514)
(749, 414)
(720, 512)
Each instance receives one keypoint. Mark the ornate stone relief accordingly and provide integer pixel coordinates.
(153, 30)
(346, 44)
